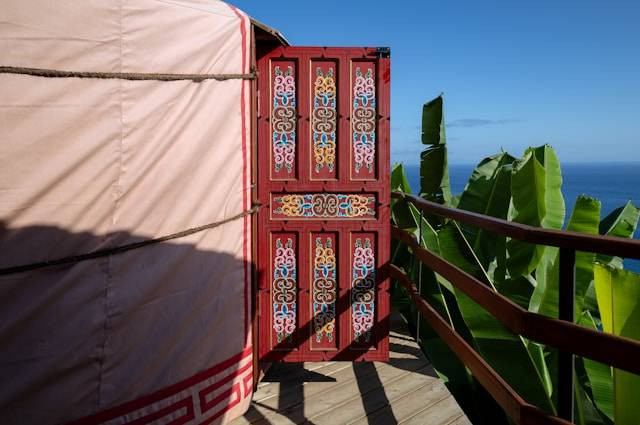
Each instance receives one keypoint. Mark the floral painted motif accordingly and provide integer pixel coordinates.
(284, 119)
(323, 120)
(324, 289)
(284, 289)
(363, 290)
(324, 205)
(364, 120)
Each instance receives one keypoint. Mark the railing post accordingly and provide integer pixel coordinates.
(418, 318)
(567, 292)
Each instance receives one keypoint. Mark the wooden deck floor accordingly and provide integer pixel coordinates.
(403, 391)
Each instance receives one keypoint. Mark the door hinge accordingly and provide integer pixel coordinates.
(383, 52)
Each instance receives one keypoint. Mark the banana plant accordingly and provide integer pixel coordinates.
(491, 339)
(434, 172)
(525, 190)
(618, 296)
(622, 223)
(544, 300)
(488, 192)
(536, 200)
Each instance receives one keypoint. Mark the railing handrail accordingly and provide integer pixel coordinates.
(622, 247)
(512, 403)
(616, 351)
(560, 333)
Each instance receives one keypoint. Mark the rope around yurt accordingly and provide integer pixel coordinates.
(123, 248)
(53, 73)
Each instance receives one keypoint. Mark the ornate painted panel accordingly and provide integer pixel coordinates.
(283, 120)
(322, 206)
(322, 179)
(363, 286)
(324, 290)
(284, 288)
(324, 120)
(363, 121)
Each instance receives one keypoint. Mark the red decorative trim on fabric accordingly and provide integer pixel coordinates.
(206, 405)
(164, 393)
(230, 405)
(248, 385)
(185, 402)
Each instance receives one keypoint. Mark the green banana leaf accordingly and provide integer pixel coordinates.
(618, 295)
(488, 192)
(434, 171)
(622, 223)
(436, 289)
(536, 351)
(585, 218)
(433, 130)
(430, 283)
(598, 378)
(429, 235)
(518, 290)
(481, 187)
(399, 180)
(402, 218)
(505, 352)
(586, 412)
(537, 201)
(546, 275)
(455, 199)
(497, 268)
(400, 214)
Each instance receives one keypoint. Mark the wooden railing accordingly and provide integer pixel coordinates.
(570, 339)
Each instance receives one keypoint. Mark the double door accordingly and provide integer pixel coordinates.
(323, 181)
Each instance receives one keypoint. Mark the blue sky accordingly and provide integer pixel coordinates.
(514, 74)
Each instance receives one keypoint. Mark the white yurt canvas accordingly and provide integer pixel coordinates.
(157, 332)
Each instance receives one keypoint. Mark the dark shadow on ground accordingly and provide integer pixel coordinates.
(288, 373)
(372, 394)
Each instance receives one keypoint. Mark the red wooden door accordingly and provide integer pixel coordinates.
(323, 181)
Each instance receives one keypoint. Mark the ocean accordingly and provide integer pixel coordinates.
(612, 183)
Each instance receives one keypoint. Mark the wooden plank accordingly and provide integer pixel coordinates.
(408, 404)
(317, 398)
(282, 395)
(440, 413)
(462, 420)
(340, 393)
(242, 420)
(281, 372)
(379, 398)
(278, 396)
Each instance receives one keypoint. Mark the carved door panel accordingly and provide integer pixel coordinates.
(323, 181)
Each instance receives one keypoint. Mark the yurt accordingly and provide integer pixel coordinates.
(168, 170)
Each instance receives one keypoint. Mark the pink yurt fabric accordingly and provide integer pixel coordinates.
(158, 334)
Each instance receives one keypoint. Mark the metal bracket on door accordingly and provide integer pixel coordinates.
(383, 52)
